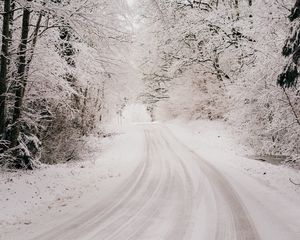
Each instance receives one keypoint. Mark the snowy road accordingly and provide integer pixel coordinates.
(173, 194)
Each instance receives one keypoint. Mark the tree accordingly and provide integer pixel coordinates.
(61, 58)
(21, 77)
(4, 64)
(221, 59)
(289, 77)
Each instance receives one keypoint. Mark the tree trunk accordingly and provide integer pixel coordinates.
(84, 125)
(4, 64)
(21, 78)
(34, 42)
(10, 70)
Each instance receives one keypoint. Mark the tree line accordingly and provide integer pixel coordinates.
(50, 91)
(235, 61)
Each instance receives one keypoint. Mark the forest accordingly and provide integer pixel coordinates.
(58, 60)
(64, 64)
(231, 60)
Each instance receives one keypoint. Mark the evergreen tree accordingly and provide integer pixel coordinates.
(289, 76)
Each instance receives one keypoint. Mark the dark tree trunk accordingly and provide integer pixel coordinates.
(84, 124)
(11, 30)
(21, 78)
(4, 64)
(295, 12)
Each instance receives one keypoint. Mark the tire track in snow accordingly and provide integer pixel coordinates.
(233, 220)
(171, 195)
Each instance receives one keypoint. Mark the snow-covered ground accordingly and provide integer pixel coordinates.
(42, 199)
(216, 142)
(264, 188)
(57, 192)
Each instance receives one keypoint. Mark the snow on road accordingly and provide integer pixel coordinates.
(272, 201)
(172, 184)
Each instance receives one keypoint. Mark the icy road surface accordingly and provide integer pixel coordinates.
(174, 194)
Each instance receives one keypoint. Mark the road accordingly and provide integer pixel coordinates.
(173, 194)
